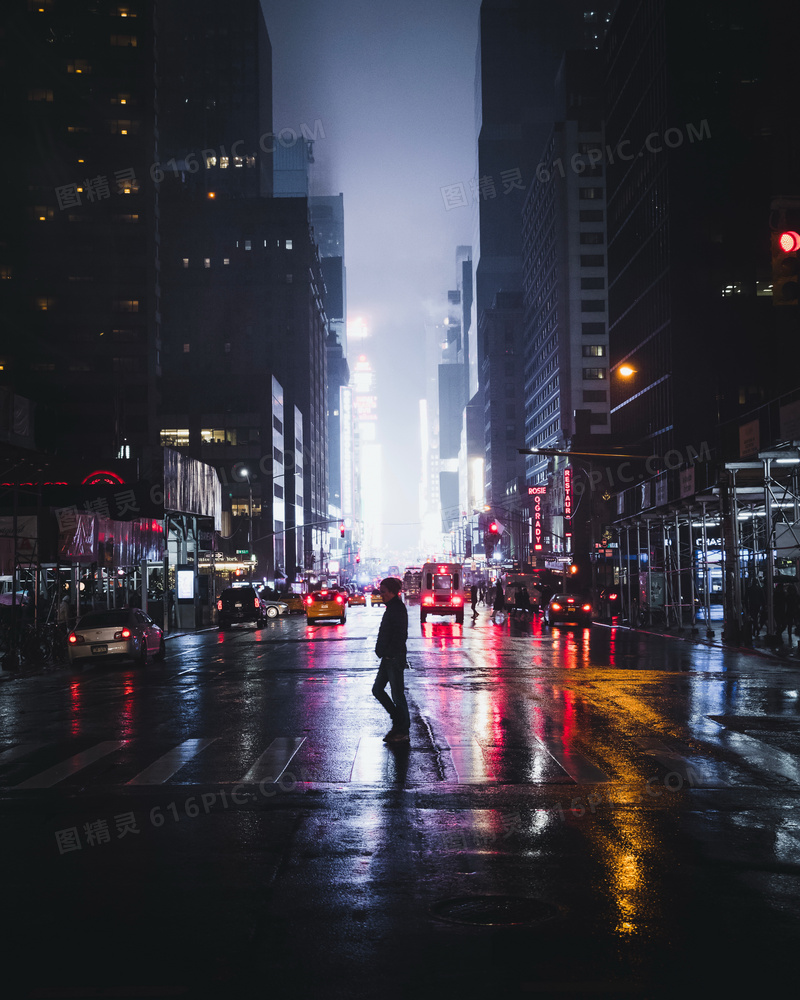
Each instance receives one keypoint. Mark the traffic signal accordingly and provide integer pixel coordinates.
(494, 528)
(341, 529)
(785, 246)
(573, 569)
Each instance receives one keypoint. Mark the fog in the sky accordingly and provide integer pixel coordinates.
(393, 86)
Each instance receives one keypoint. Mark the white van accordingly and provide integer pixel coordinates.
(441, 591)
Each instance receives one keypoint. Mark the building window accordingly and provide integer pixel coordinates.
(248, 245)
(224, 162)
(592, 215)
(593, 305)
(226, 260)
(185, 348)
(79, 66)
(289, 279)
(591, 238)
(598, 418)
(44, 302)
(592, 329)
(594, 396)
(227, 348)
(277, 454)
(289, 244)
(592, 373)
(277, 490)
(589, 194)
(594, 350)
(592, 260)
(172, 437)
(589, 283)
(124, 41)
(185, 261)
(42, 213)
(206, 262)
(40, 94)
(126, 305)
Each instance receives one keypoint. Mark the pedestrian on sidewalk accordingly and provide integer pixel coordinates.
(754, 599)
(473, 597)
(499, 602)
(779, 611)
(792, 610)
(391, 648)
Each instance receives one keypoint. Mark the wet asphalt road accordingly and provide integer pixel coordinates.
(580, 813)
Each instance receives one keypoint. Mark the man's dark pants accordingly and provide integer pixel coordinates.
(391, 672)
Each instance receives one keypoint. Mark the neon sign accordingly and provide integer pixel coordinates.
(537, 492)
(567, 494)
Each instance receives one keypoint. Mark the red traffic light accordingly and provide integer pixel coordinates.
(341, 529)
(789, 241)
(493, 528)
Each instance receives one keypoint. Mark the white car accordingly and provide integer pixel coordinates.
(117, 634)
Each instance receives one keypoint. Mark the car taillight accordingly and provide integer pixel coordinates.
(339, 599)
(124, 634)
(586, 607)
(455, 601)
(219, 605)
(555, 607)
(427, 600)
(570, 600)
(73, 638)
(309, 600)
(613, 597)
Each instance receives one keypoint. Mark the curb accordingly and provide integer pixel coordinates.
(715, 644)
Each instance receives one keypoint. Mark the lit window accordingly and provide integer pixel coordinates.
(5, 273)
(247, 245)
(211, 160)
(763, 288)
(42, 213)
(185, 348)
(206, 262)
(594, 373)
(238, 161)
(185, 261)
(126, 305)
(39, 94)
(226, 260)
(288, 244)
(731, 290)
(175, 437)
(224, 162)
(594, 350)
(79, 66)
(43, 303)
(250, 161)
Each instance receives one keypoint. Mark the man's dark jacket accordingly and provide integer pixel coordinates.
(393, 632)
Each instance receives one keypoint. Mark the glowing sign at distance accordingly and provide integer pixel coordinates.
(537, 492)
(567, 494)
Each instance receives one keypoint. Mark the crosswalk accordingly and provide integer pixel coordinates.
(362, 759)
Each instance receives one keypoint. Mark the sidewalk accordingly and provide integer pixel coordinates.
(789, 652)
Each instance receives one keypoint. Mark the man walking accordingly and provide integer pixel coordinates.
(473, 598)
(391, 648)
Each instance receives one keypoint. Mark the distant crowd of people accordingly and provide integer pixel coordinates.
(785, 608)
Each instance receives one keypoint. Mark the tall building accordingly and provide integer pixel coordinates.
(245, 281)
(80, 255)
(704, 134)
(564, 272)
(520, 48)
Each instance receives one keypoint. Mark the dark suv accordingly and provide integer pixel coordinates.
(242, 604)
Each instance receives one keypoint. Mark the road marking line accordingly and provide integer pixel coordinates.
(369, 763)
(581, 770)
(163, 768)
(676, 763)
(274, 760)
(470, 763)
(6, 756)
(67, 768)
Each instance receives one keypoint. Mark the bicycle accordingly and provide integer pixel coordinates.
(651, 615)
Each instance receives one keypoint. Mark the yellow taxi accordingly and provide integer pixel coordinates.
(375, 598)
(357, 599)
(325, 604)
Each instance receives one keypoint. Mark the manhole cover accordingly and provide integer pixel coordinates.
(489, 910)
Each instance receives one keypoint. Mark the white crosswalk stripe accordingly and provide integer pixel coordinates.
(71, 766)
(274, 760)
(164, 768)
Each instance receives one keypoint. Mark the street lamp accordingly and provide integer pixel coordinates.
(246, 473)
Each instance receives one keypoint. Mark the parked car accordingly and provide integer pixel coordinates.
(116, 634)
(243, 604)
(566, 609)
(325, 604)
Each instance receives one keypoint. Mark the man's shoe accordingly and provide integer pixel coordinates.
(395, 737)
(390, 735)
